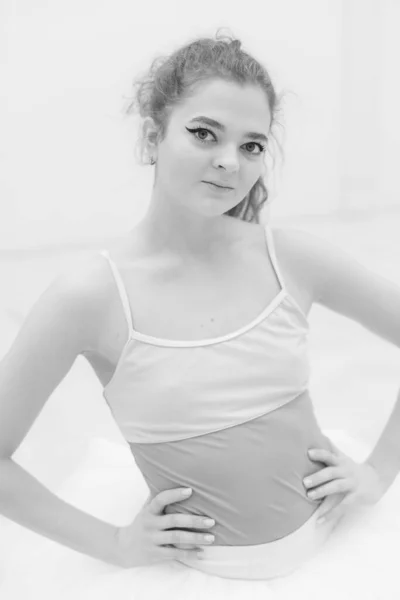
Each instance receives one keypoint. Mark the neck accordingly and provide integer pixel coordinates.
(182, 233)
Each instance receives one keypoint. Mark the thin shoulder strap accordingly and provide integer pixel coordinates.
(271, 250)
(121, 289)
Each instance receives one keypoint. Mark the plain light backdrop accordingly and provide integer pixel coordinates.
(68, 169)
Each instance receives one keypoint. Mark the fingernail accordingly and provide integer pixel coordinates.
(187, 492)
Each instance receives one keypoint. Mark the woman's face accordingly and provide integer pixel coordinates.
(227, 154)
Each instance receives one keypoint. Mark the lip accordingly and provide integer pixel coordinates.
(228, 187)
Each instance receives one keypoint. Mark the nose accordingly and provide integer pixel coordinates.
(227, 158)
(230, 164)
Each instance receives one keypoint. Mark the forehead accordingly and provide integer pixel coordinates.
(229, 103)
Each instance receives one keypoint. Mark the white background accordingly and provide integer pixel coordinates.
(68, 170)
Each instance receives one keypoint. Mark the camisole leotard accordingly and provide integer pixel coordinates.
(231, 417)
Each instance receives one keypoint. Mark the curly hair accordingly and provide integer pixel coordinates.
(171, 79)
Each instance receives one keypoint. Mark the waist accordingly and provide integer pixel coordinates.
(265, 561)
(248, 478)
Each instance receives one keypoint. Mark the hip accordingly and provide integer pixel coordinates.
(265, 561)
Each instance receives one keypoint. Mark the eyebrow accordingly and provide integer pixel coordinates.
(251, 134)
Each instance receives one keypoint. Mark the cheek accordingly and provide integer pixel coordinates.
(254, 176)
(183, 153)
(188, 166)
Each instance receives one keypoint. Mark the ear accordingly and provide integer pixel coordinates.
(150, 135)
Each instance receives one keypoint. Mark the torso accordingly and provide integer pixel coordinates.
(194, 301)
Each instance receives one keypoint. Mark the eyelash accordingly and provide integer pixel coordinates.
(261, 146)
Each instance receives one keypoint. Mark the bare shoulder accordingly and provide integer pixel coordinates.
(302, 255)
(292, 241)
(85, 287)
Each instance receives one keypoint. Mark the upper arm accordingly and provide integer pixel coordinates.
(60, 325)
(346, 286)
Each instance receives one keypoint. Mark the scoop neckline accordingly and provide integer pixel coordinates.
(157, 341)
(167, 343)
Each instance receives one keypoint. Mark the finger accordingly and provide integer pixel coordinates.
(333, 487)
(329, 503)
(326, 456)
(187, 546)
(157, 505)
(333, 515)
(183, 546)
(175, 536)
(178, 520)
(322, 476)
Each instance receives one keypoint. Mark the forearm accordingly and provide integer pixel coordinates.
(24, 500)
(385, 457)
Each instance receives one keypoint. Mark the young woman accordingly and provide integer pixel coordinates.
(196, 325)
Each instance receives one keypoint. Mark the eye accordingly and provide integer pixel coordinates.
(194, 131)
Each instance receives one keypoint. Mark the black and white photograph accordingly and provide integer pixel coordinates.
(200, 300)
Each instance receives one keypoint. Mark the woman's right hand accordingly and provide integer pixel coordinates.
(150, 538)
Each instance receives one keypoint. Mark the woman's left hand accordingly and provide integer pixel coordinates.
(342, 483)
